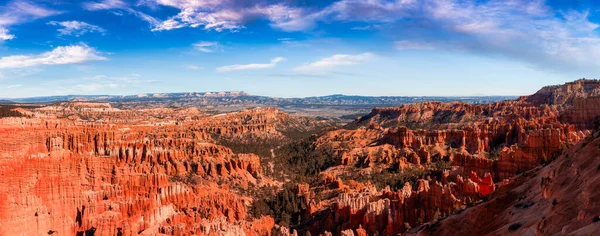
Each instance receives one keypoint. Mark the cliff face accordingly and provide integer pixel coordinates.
(436, 115)
(578, 101)
(559, 198)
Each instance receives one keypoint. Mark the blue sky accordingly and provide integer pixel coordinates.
(295, 48)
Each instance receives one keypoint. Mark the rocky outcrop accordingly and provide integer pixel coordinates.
(437, 115)
(504, 149)
(577, 101)
(368, 211)
(555, 199)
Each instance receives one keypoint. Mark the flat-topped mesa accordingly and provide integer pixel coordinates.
(564, 94)
(189, 95)
(80, 107)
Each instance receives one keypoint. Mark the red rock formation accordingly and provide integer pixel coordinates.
(577, 101)
(526, 145)
(367, 211)
(496, 141)
(560, 198)
(82, 168)
(74, 176)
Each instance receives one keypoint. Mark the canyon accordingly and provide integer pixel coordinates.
(138, 167)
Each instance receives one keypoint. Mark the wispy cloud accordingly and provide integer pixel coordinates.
(367, 27)
(58, 56)
(21, 10)
(18, 12)
(5, 35)
(193, 67)
(104, 5)
(207, 47)
(76, 28)
(272, 64)
(335, 61)
(14, 86)
(116, 6)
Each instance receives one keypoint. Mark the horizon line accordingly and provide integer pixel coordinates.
(252, 95)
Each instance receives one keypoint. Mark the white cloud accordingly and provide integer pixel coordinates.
(168, 25)
(225, 19)
(193, 67)
(104, 5)
(220, 15)
(272, 64)
(76, 28)
(207, 47)
(290, 18)
(336, 60)
(14, 86)
(58, 56)
(5, 35)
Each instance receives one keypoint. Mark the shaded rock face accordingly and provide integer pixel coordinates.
(560, 198)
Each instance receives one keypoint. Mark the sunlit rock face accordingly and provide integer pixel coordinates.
(74, 176)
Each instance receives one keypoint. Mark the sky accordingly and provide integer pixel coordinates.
(295, 48)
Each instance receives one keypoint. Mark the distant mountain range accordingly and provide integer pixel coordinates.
(238, 98)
